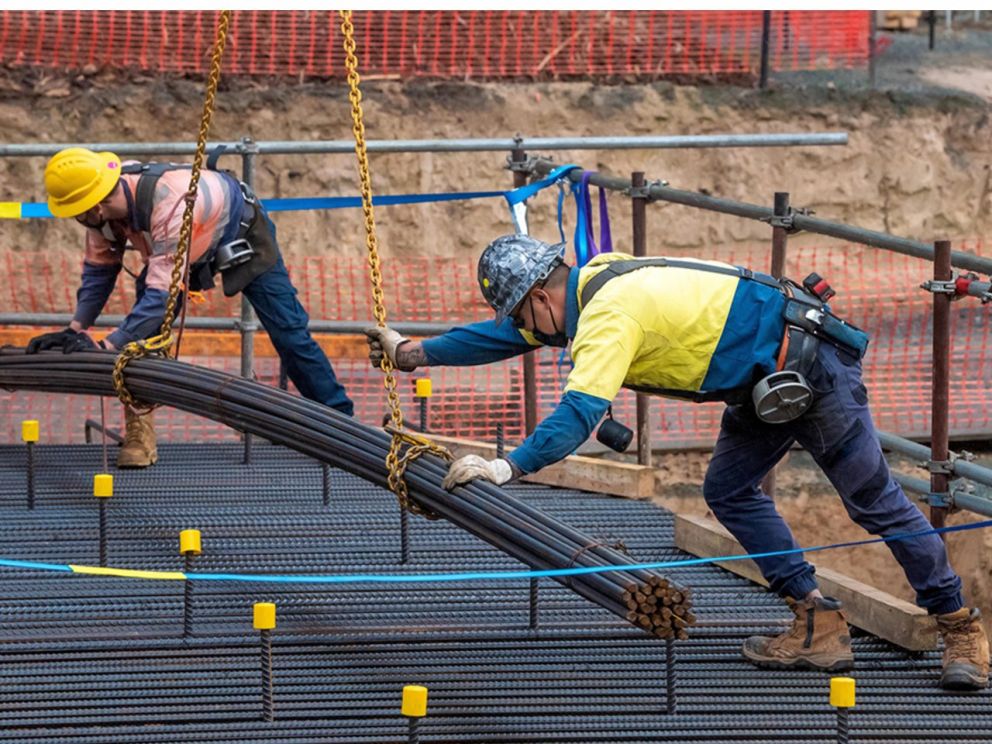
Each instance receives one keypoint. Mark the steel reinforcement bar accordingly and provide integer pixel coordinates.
(644, 598)
(797, 220)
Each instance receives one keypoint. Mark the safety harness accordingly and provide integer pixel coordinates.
(783, 395)
(233, 249)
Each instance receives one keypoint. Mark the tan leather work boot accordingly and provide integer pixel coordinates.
(818, 639)
(138, 450)
(966, 650)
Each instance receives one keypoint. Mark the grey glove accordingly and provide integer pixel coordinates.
(385, 341)
(470, 467)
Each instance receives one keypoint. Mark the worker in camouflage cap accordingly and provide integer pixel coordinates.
(788, 371)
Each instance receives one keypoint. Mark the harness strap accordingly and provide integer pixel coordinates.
(618, 268)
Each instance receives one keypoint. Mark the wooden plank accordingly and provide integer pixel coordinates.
(583, 473)
(866, 607)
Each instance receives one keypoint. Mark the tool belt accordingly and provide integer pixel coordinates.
(785, 395)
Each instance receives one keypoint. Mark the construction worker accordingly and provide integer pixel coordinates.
(789, 370)
(135, 207)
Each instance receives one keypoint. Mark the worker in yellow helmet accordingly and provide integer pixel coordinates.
(138, 207)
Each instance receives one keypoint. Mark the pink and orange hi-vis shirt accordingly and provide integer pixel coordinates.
(157, 249)
(215, 196)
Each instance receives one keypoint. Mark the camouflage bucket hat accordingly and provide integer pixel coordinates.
(511, 266)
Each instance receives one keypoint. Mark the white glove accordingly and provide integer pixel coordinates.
(471, 467)
(384, 341)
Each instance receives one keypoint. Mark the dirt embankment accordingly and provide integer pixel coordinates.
(916, 165)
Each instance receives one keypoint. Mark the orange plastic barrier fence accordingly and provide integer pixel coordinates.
(476, 44)
(878, 291)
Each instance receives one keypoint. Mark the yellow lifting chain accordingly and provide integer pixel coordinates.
(396, 463)
(161, 343)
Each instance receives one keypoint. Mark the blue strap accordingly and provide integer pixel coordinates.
(343, 202)
(525, 192)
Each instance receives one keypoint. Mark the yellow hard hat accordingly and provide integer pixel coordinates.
(78, 179)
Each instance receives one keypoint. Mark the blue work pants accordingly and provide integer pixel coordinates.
(838, 432)
(273, 296)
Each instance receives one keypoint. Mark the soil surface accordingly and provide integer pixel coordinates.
(918, 165)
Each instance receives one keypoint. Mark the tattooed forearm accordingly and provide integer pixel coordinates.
(410, 355)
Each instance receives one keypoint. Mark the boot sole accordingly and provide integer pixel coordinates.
(802, 662)
(961, 680)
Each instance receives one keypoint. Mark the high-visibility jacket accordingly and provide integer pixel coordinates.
(668, 330)
(217, 194)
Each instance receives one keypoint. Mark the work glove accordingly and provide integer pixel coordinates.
(385, 341)
(470, 467)
(81, 342)
(55, 340)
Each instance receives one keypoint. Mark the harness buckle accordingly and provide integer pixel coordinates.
(233, 254)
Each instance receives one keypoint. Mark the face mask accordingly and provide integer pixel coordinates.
(558, 338)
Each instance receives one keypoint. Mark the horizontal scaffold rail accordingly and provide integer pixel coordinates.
(505, 144)
(644, 598)
(799, 221)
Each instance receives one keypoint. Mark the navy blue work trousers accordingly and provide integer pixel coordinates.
(838, 432)
(273, 296)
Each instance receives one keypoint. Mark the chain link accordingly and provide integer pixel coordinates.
(395, 463)
(161, 343)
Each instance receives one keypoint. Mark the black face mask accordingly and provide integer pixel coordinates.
(558, 338)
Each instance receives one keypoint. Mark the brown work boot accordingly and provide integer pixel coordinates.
(138, 450)
(818, 639)
(966, 650)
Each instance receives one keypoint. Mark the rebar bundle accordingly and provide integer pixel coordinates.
(645, 598)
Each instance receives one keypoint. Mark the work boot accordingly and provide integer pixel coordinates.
(966, 650)
(138, 450)
(818, 639)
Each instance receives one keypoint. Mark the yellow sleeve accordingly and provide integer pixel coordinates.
(605, 345)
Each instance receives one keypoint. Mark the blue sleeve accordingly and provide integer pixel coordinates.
(478, 343)
(144, 320)
(94, 291)
(561, 433)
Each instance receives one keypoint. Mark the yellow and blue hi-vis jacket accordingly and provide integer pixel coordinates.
(675, 331)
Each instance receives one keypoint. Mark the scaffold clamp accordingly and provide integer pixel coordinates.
(644, 192)
(937, 286)
(787, 221)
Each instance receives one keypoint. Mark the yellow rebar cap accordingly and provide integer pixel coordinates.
(29, 430)
(842, 692)
(423, 387)
(78, 179)
(414, 701)
(265, 616)
(189, 542)
(103, 485)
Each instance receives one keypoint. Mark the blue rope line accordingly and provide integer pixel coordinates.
(517, 575)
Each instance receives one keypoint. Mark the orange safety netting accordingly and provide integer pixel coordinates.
(877, 290)
(475, 44)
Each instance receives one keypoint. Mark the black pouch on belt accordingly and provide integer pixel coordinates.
(263, 243)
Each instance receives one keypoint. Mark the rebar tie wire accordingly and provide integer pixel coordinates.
(161, 343)
(416, 445)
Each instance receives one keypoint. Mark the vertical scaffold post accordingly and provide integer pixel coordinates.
(766, 32)
(247, 326)
(780, 237)
(941, 381)
(638, 207)
(530, 370)
(872, 52)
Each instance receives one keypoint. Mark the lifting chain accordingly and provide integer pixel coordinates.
(161, 343)
(395, 463)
